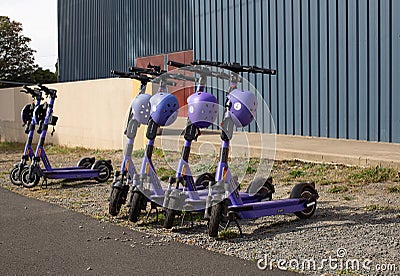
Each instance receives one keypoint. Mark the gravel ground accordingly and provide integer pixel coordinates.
(358, 224)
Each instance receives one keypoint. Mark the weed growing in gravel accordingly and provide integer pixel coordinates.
(159, 152)
(338, 189)
(348, 198)
(252, 166)
(375, 207)
(373, 175)
(227, 234)
(297, 173)
(394, 189)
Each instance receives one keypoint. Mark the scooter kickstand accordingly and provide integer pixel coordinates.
(232, 217)
(44, 183)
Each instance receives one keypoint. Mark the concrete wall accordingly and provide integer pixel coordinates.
(91, 114)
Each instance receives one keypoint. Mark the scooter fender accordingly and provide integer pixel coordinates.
(117, 184)
(300, 186)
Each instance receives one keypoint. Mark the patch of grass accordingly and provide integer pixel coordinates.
(55, 149)
(338, 189)
(164, 173)
(138, 153)
(375, 207)
(394, 189)
(11, 146)
(296, 173)
(228, 234)
(252, 166)
(84, 194)
(373, 175)
(158, 152)
(348, 198)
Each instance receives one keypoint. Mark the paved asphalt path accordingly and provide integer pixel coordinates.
(39, 238)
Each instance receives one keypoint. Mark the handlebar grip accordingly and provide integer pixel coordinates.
(121, 74)
(255, 69)
(138, 69)
(177, 64)
(205, 62)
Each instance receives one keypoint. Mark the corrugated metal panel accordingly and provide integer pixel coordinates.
(96, 36)
(337, 61)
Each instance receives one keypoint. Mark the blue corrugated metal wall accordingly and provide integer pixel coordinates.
(96, 36)
(338, 61)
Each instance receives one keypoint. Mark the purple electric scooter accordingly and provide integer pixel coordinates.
(224, 203)
(29, 121)
(139, 113)
(190, 199)
(164, 112)
(87, 169)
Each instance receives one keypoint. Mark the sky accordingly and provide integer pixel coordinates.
(39, 23)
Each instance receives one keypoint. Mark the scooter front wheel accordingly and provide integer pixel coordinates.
(169, 218)
(86, 162)
(115, 204)
(136, 207)
(215, 219)
(28, 182)
(15, 176)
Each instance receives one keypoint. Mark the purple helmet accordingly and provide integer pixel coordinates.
(244, 107)
(141, 108)
(203, 109)
(164, 108)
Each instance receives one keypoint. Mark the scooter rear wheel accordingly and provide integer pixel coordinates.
(115, 204)
(26, 181)
(15, 176)
(136, 207)
(306, 192)
(105, 170)
(169, 218)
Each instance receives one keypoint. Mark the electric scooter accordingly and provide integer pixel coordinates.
(182, 193)
(164, 108)
(191, 199)
(87, 169)
(139, 113)
(164, 111)
(29, 122)
(224, 202)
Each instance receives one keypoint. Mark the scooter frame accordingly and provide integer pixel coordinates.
(100, 170)
(128, 173)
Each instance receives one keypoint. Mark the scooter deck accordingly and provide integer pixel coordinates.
(71, 173)
(269, 208)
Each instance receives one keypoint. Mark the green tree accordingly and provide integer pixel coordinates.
(16, 57)
(42, 76)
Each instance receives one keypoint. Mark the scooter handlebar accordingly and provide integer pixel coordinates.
(33, 92)
(236, 67)
(177, 64)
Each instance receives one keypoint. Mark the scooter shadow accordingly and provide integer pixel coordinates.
(66, 184)
(325, 217)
